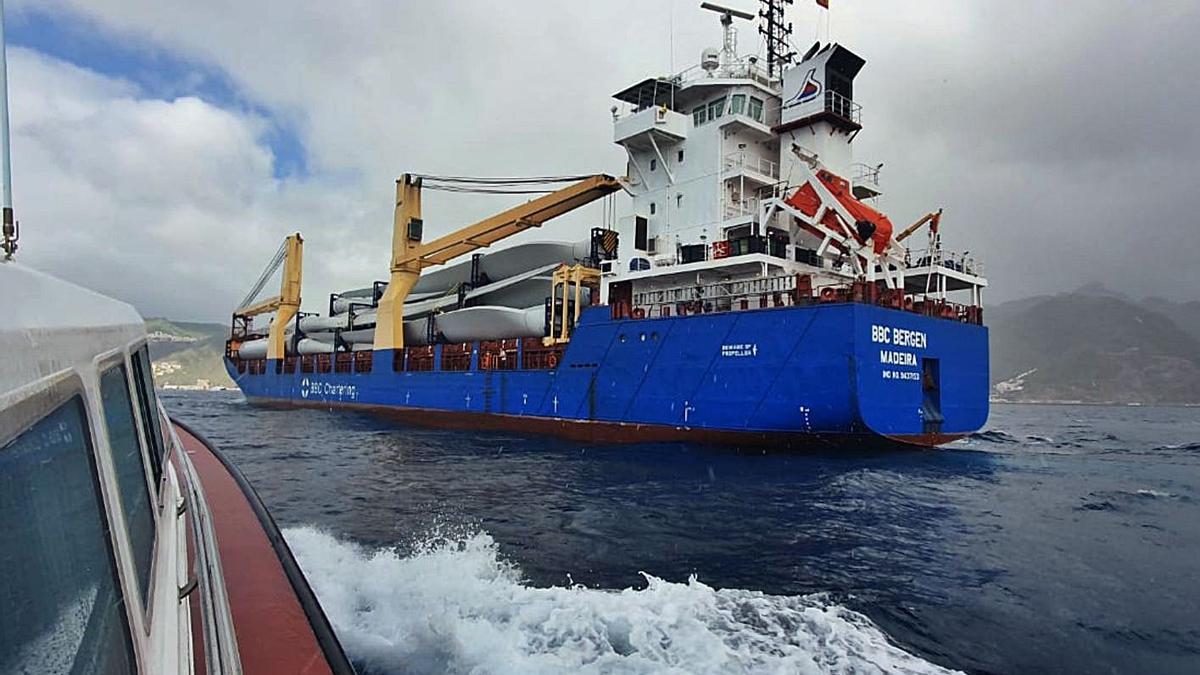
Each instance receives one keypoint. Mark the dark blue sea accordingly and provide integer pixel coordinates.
(1062, 539)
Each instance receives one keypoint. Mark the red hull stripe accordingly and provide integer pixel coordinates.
(591, 431)
(275, 631)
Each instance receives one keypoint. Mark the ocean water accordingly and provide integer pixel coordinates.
(1062, 539)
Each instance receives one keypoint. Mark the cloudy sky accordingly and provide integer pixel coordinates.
(162, 148)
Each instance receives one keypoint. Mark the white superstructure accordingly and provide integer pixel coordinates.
(714, 155)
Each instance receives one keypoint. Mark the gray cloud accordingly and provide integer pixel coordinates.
(1057, 135)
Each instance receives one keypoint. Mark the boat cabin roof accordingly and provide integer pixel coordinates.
(51, 325)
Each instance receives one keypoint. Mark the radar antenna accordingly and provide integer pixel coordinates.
(729, 49)
(776, 32)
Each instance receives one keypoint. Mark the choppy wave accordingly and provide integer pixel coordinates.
(994, 436)
(455, 605)
(1124, 500)
(1178, 447)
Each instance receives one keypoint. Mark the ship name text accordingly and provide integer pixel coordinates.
(898, 337)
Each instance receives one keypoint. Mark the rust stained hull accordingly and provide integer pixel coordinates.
(598, 432)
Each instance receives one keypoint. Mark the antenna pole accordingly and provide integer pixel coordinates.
(776, 31)
(9, 243)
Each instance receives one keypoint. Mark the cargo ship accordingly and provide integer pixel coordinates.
(742, 287)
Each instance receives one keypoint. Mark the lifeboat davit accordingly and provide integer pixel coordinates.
(869, 224)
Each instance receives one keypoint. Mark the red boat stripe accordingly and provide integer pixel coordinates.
(273, 631)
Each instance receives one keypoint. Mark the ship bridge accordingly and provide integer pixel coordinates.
(653, 122)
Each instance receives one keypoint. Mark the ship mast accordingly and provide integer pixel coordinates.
(10, 232)
(776, 31)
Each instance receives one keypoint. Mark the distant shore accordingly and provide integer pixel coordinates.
(1104, 404)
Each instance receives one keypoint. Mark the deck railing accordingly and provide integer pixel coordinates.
(790, 290)
(961, 261)
(761, 165)
(865, 174)
(843, 107)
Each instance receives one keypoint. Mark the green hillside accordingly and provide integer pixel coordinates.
(188, 354)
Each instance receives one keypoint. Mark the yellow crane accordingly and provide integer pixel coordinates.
(934, 217)
(410, 256)
(286, 304)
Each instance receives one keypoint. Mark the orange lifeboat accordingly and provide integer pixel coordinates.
(869, 224)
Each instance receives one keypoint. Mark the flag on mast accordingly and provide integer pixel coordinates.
(823, 3)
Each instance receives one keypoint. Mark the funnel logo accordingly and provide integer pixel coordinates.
(808, 91)
(304, 388)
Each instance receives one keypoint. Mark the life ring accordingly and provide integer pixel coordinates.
(828, 295)
(552, 360)
(639, 313)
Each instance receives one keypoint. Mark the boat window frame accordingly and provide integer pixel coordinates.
(147, 406)
(23, 409)
(104, 365)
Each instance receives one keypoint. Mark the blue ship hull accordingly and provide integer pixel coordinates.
(847, 374)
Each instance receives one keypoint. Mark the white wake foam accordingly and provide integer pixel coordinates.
(456, 606)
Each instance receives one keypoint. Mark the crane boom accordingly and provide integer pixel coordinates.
(410, 256)
(287, 303)
(935, 217)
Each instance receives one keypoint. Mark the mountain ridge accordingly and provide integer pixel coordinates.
(1095, 345)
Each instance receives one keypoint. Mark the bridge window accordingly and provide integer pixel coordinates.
(136, 503)
(716, 108)
(737, 104)
(59, 595)
(698, 116)
(756, 108)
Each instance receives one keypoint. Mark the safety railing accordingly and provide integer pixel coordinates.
(456, 357)
(499, 354)
(789, 290)
(740, 208)
(843, 107)
(743, 68)
(536, 356)
(959, 261)
(760, 165)
(363, 361)
(865, 174)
